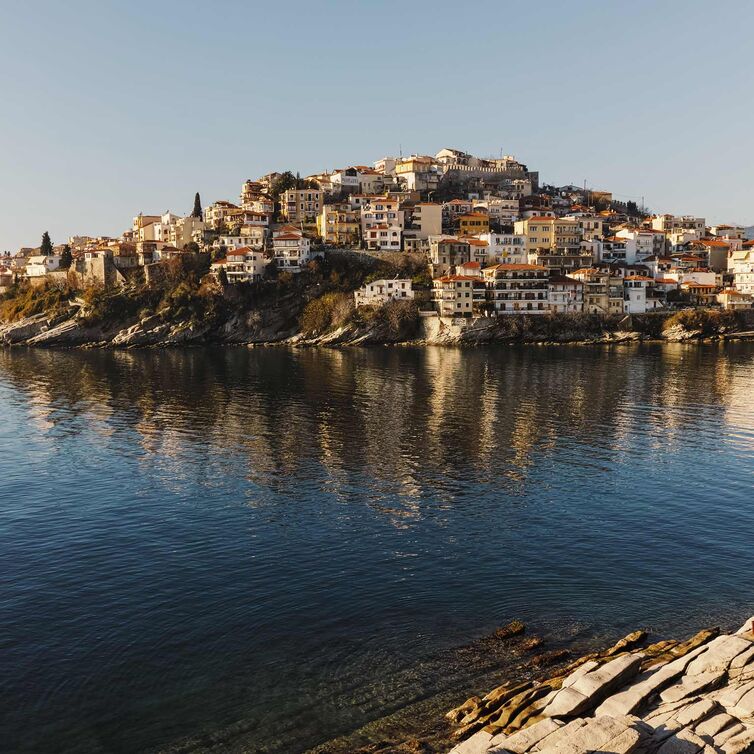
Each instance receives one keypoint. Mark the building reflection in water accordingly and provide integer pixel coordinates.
(412, 421)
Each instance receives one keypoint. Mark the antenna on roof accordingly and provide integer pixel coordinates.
(400, 150)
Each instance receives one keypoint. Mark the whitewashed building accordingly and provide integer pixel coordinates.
(381, 291)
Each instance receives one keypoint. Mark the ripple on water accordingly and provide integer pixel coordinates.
(274, 547)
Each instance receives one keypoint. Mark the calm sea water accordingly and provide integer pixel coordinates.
(257, 549)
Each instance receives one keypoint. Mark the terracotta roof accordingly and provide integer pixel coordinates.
(513, 267)
(639, 277)
(666, 281)
(473, 265)
(287, 237)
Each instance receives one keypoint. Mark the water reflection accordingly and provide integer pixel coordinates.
(275, 538)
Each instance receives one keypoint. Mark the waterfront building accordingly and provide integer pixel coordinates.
(517, 288)
(596, 289)
(456, 295)
(565, 295)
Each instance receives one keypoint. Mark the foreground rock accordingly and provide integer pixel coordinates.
(692, 697)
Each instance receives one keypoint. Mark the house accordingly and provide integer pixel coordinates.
(500, 211)
(517, 288)
(301, 205)
(339, 224)
(380, 210)
(417, 173)
(507, 248)
(700, 294)
(383, 238)
(635, 293)
(426, 220)
(673, 224)
(648, 242)
(381, 291)
(565, 295)
(446, 252)
(455, 295)
(549, 233)
(741, 266)
(717, 251)
(560, 261)
(470, 269)
(291, 250)
(732, 299)
(7, 278)
(216, 214)
(473, 223)
(39, 266)
(596, 289)
(244, 265)
(478, 250)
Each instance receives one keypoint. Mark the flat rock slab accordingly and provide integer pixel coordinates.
(609, 734)
(479, 743)
(523, 740)
(588, 689)
(719, 655)
(628, 701)
(692, 685)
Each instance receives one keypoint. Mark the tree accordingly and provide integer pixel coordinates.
(282, 183)
(46, 248)
(197, 212)
(66, 258)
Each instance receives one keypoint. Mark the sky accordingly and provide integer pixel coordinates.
(112, 108)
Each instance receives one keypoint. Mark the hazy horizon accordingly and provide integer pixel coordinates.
(110, 111)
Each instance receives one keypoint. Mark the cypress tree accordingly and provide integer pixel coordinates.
(46, 248)
(66, 258)
(197, 207)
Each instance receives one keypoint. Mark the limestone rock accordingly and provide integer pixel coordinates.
(523, 740)
(479, 743)
(719, 655)
(692, 685)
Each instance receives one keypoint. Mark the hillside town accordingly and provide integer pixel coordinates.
(495, 241)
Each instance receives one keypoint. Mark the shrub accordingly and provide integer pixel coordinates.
(325, 313)
(707, 321)
(25, 300)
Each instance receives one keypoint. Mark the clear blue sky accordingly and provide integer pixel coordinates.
(109, 108)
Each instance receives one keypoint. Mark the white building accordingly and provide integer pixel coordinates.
(506, 248)
(39, 266)
(291, 249)
(635, 293)
(565, 295)
(383, 238)
(741, 264)
(381, 291)
(245, 265)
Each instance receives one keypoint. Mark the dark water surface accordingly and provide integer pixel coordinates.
(268, 542)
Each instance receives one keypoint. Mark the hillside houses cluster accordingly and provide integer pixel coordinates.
(494, 240)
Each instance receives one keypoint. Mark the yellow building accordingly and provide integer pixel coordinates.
(549, 232)
(473, 224)
(339, 224)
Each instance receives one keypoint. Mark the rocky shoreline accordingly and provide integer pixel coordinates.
(274, 327)
(668, 697)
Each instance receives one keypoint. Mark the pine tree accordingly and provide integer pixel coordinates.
(46, 248)
(197, 207)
